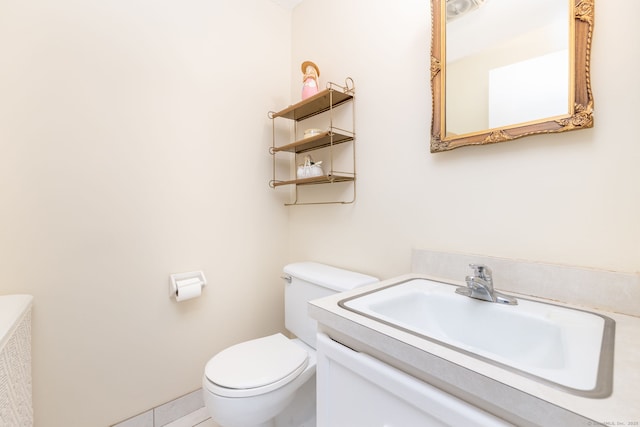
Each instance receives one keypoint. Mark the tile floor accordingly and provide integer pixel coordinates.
(199, 418)
(185, 411)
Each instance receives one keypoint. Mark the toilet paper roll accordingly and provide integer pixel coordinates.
(188, 289)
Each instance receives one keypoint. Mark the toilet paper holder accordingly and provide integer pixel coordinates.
(181, 279)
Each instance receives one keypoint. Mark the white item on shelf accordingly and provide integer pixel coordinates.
(312, 132)
(309, 169)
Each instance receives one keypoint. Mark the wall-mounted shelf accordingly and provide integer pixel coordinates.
(325, 179)
(326, 101)
(325, 139)
(316, 104)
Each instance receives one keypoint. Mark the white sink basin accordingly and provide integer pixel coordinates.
(567, 348)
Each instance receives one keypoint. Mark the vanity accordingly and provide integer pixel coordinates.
(370, 367)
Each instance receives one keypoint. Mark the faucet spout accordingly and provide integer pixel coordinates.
(480, 286)
(480, 289)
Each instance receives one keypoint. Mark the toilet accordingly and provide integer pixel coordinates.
(270, 381)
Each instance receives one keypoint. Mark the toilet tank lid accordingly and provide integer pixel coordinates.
(327, 276)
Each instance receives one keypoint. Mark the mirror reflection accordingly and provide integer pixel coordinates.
(503, 69)
(523, 60)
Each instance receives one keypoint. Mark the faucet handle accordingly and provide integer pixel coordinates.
(481, 271)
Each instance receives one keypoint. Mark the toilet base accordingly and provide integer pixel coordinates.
(301, 412)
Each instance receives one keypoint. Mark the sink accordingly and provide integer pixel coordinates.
(566, 348)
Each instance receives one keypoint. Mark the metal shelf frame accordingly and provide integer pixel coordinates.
(325, 101)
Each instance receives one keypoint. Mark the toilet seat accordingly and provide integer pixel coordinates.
(255, 367)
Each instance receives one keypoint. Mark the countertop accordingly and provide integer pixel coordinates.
(519, 400)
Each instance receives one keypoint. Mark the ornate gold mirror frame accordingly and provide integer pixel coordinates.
(580, 114)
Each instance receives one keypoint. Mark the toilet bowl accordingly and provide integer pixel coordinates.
(270, 381)
(249, 384)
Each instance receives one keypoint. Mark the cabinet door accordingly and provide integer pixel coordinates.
(356, 390)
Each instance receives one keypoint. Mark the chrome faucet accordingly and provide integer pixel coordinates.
(480, 286)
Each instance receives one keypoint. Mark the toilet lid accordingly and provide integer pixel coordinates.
(256, 363)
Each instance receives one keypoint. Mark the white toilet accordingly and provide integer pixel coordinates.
(270, 381)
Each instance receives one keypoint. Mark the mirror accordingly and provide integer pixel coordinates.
(505, 69)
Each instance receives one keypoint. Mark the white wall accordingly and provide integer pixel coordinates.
(133, 141)
(569, 198)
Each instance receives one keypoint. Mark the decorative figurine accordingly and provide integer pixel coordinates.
(310, 85)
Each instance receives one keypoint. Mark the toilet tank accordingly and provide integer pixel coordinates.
(306, 281)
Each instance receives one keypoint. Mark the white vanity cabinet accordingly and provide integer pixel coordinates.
(357, 390)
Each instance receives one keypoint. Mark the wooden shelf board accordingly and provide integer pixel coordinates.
(313, 143)
(316, 180)
(316, 104)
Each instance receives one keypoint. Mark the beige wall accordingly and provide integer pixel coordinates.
(133, 145)
(570, 198)
(133, 141)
